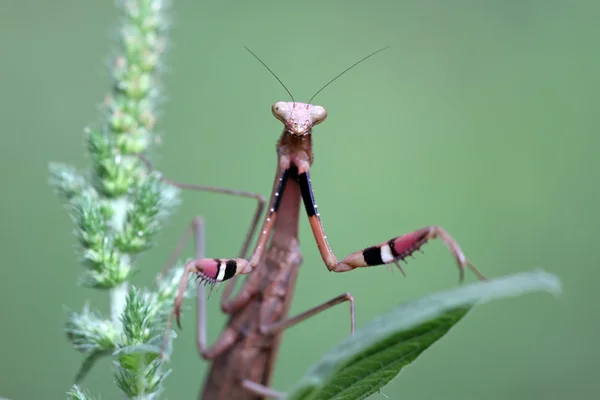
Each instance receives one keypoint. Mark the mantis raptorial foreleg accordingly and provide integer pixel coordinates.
(392, 251)
(196, 229)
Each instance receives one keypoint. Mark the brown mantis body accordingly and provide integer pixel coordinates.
(244, 354)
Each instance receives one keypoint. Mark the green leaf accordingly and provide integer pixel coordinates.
(88, 363)
(363, 363)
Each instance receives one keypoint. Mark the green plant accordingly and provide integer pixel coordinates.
(118, 207)
(362, 364)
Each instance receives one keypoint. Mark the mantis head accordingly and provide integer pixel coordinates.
(298, 118)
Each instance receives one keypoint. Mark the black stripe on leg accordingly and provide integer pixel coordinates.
(280, 189)
(307, 193)
(392, 249)
(230, 268)
(372, 255)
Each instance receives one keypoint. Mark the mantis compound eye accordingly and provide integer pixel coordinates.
(318, 114)
(281, 111)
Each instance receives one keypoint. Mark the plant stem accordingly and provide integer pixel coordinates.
(118, 299)
(118, 294)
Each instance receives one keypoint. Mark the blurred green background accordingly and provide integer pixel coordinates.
(481, 117)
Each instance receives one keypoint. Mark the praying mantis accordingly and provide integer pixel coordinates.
(244, 355)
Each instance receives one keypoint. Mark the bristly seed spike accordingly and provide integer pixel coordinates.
(272, 73)
(346, 70)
